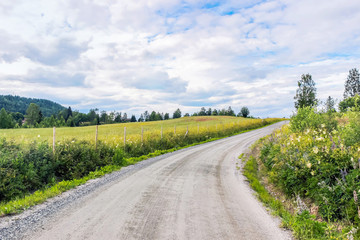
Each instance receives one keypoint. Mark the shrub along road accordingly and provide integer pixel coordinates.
(195, 193)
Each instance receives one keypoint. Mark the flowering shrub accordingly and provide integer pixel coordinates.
(312, 161)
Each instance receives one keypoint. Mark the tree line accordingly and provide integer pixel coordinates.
(306, 93)
(69, 118)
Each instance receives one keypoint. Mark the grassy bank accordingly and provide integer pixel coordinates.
(312, 169)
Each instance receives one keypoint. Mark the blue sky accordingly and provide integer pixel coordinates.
(161, 55)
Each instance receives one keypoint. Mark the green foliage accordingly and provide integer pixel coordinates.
(244, 112)
(350, 133)
(308, 118)
(306, 92)
(319, 160)
(350, 104)
(304, 225)
(33, 114)
(330, 105)
(305, 118)
(177, 113)
(6, 120)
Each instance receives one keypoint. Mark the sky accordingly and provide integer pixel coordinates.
(160, 55)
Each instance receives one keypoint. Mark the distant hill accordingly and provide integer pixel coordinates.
(20, 104)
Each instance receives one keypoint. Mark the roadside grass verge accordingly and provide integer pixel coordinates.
(303, 225)
(21, 203)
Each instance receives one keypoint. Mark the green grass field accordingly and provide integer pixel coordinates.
(114, 133)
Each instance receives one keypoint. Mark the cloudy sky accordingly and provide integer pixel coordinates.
(133, 56)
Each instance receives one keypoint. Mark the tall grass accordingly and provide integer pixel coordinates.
(114, 133)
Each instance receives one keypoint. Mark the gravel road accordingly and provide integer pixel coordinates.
(194, 193)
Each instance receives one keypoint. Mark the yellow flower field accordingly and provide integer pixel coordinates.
(114, 133)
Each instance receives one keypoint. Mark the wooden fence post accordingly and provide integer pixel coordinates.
(54, 139)
(187, 131)
(161, 132)
(96, 136)
(198, 129)
(174, 129)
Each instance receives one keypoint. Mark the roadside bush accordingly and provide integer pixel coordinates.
(316, 159)
(305, 118)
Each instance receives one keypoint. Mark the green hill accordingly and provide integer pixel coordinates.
(20, 104)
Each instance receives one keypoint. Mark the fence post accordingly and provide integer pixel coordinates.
(187, 131)
(124, 138)
(54, 139)
(174, 129)
(198, 130)
(96, 136)
(161, 132)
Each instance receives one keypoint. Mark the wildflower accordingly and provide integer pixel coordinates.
(316, 149)
(38, 135)
(312, 173)
(355, 196)
(326, 150)
(322, 125)
(308, 164)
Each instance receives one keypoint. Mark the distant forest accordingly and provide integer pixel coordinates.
(21, 104)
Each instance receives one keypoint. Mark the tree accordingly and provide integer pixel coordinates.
(244, 112)
(330, 104)
(215, 112)
(152, 116)
(166, 116)
(306, 93)
(103, 116)
(177, 113)
(68, 113)
(202, 112)
(350, 103)
(6, 120)
(117, 117)
(133, 118)
(187, 115)
(230, 112)
(146, 116)
(209, 112)
(352, 84)
(70, 122)
(141, 118)
(33, 114)
(124, 118)
(93, 115)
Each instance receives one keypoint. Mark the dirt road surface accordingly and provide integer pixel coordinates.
(196, 193)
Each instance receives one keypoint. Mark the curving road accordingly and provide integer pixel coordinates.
(196, 193)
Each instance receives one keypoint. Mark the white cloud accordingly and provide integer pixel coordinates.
(161, 55)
